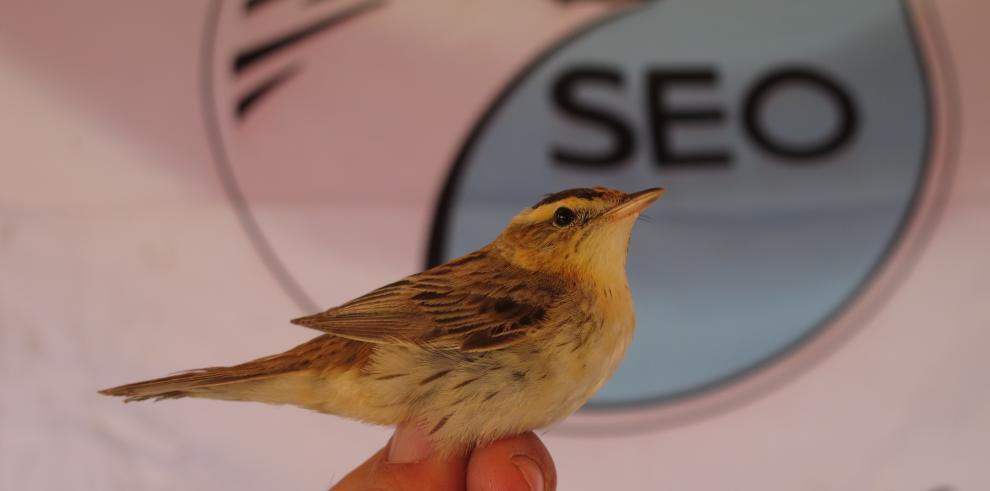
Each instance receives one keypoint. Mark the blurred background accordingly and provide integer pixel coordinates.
(178, 179)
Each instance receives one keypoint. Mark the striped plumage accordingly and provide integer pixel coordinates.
(512, 337)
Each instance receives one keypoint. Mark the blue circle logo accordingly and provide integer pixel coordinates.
(792, 138)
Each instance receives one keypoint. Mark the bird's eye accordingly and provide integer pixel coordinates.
(563, 216)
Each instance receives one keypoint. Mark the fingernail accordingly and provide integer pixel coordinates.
(409, 445)
(530, 470)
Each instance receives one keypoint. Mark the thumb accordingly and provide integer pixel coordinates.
(515, 463)
(407, 463)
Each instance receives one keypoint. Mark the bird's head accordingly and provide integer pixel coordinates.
(576, 231)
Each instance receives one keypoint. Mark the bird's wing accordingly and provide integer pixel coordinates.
(475, 303)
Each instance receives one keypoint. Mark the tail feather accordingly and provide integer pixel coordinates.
(199, 382)
(285, 378)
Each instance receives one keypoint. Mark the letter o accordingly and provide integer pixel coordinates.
(836, 139)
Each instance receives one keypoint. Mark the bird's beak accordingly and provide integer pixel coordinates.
(635, 203)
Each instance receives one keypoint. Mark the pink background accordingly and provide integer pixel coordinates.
(121, 259)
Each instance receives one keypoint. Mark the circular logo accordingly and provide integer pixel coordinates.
(792, 139)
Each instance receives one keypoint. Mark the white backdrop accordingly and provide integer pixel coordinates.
(121, 259)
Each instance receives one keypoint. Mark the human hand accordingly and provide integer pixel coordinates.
(518, 463)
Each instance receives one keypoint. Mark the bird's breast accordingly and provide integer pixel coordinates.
(597, 343)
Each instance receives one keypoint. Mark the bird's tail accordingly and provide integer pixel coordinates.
(213, 382)
(273, 379)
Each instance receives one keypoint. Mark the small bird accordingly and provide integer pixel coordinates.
(512, 337)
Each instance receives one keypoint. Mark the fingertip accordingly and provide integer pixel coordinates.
(409, 445)
(518, 463)
(530, 471)
(408, 462)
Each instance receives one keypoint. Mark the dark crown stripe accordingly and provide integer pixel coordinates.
(583, 193)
